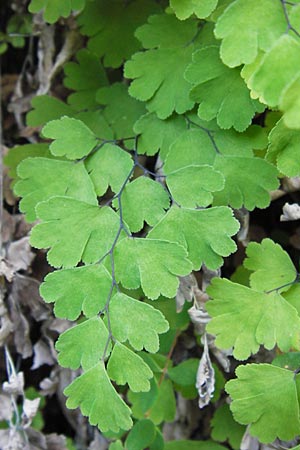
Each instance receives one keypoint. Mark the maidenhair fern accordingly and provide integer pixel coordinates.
(199, 80)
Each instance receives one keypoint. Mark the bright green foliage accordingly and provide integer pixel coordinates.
(168, 41)
(156, 134)
(141, 435)
(121, 111)
(283, 149)
(163, 408)
(37, 183)
(77, 80)
(125, 366)
(224, 427)
(94, 393)
(54, 9)
(244, 318)
(204, 233)
(242, 187)
(95, 230)
(289, 361)
(88, 286)
(290, 104)
(46, 108)
(20, 152)
(83, 345)
(281, 60)
(185, 8)
(185, 372)
(265, 397)
(73, 138)
(259, 25)
(137, 322)
(109, 166)
(136, 210)
(193, 186)
(292, 296)
(215, 86)
(111, 26)
(271, 266)
(153, 264)
(117, 445)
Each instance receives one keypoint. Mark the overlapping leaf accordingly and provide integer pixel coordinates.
(109, 166)
(125, 366)
(153, 264)
(54, 9)
(260, 25)
(248, 181)
(290, 104)
(265, 397)
(168, 41)
(185, 8)
(74, 231)
(141, 436)
(283, 149)
(215, 85)
(111, 26)
(143, 200)
(85, 86)
(156, 134)
(282, 59)
(73, 138)
(98, 400)
(85, 289)
(244, 318)
(224, 427)
(42, 178)
(271, 266)
(137, 322)
(192, 186)
(83, 345)
(121, 111)
(206, 233)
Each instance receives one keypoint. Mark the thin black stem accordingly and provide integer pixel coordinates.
(207, 131)
(284, 3)
(296, 280)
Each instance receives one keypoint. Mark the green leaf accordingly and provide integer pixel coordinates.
(193, 445)
(117, 445)
(54, 9)
(21, 152)
(46, 108)
(248, 181)
(73, 138)
(281, 59)
(157, 135)
(85, 86)
(134, 208)
(137, 322)
(271, 266)
(109, 166)
(163, 408)
(83, 345)
(141, 435)
(98, 400)
(111, 27)
(65, 219)
(153, 264)
(290, 104)
(204, 233)
(244, 318)
(42, 178)
(185, 8)
(283, 149)
(192, 186)
(88, 287)
(125, 366)
(289, 361)
(142, 401)
(185, 373)
(215, 85)
(224, 427)
(293, 296)
(260, 25)
(121, 111)
(265, 397)
(168, 41)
